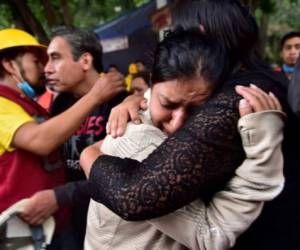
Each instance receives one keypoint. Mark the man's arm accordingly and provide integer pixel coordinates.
(44, 203)
(43, 138)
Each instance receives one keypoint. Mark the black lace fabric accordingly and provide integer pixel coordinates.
(194, 162)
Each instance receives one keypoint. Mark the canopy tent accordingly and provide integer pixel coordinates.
(128, 23)
(129, 37)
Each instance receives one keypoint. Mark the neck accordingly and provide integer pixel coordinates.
(10, 82)
(86, 85)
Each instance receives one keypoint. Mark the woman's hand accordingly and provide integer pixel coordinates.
(256, 100)
(124, 112)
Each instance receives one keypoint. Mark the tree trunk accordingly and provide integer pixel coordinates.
(30, 20)
(252, 4)
(50, 13)
(68, 18)
(128, 4)
(264, 23)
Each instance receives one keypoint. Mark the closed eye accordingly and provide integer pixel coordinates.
(170, 105)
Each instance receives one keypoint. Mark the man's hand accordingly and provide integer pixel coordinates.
(39, 207)
(107, 86)
(124, 112)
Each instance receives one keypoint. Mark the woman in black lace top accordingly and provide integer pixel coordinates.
(201, 156)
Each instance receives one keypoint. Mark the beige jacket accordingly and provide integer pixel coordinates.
(196, 226)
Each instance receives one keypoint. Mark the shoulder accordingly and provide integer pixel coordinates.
(267, 80)
(137, 140)
(10, 108)
(140, 135)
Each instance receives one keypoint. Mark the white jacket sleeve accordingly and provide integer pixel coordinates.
(231, 211)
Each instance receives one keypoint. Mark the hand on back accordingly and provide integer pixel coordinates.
(256, 100)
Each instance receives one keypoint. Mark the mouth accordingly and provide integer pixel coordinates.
(51, 82)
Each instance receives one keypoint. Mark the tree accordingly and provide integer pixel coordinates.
(39, 16)
(30, 21)
(275, 17)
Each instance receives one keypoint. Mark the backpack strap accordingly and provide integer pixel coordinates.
(29, 105)
(38, 236)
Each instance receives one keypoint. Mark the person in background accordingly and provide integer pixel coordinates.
(173, 93)
(140, 83)
(46, 99)
(132, 69)
(113, 68)
(141, 67)
(27, 135)
(289, 53)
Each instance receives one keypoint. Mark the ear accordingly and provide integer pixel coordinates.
(86, 61)
(8, 66)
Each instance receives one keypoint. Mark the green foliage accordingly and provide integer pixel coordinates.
(268, 6)
(87, 13)
(284, 19)
(6, 19)
(283, 15)
(97, 12)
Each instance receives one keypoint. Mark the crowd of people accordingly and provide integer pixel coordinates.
(196, 152)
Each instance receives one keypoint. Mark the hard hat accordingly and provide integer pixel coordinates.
(16, 234)
(132, 69)
(10, 38)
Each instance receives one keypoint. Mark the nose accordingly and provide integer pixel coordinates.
(178, 117)
(294, 50)
(48, 68)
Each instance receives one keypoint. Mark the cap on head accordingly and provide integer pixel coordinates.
(132, 69)
(10, 38)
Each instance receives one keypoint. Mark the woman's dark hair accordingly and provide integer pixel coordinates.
(189, 54)
(81, 41)
(228, 21)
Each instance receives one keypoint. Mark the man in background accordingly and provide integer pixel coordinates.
(289, 53)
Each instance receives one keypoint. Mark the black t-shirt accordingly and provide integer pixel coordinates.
(90, 131)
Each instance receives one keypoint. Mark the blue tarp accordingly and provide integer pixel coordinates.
(128, 23)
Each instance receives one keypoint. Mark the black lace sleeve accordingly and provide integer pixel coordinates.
(199, 157)
(197, 160)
